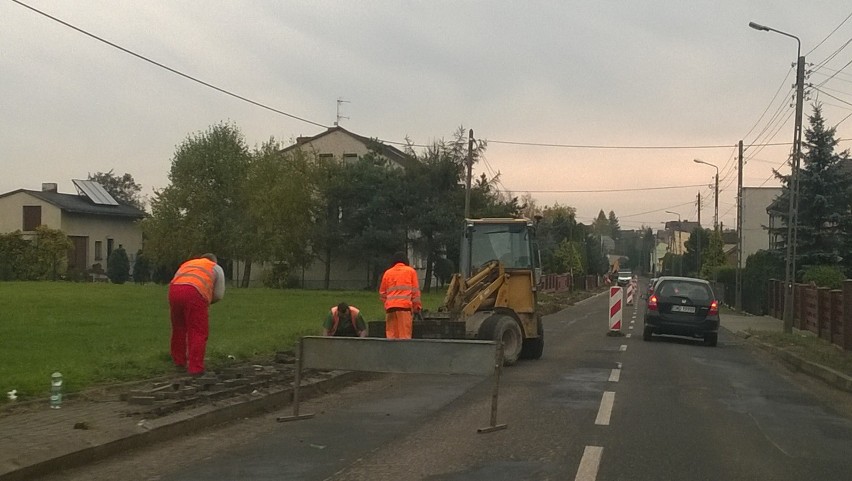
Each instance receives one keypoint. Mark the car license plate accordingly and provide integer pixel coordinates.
(686, 309)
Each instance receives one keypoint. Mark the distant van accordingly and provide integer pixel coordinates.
(624, 276)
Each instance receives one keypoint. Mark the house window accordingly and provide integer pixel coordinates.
(32, 217)
(110, 247)
(326, 157)
(99, 250)
(350, 158)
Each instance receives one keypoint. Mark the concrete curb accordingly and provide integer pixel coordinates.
(187, 422)
(833, 378)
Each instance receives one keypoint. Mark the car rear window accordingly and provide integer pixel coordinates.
(697, 292)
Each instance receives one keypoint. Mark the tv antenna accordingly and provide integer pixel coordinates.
(340, 101)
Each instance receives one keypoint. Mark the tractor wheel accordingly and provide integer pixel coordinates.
(505, 329)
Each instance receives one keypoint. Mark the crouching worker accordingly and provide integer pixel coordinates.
(344, 321)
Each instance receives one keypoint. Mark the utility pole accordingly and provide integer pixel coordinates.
(469, 174)
(716, 207)
(793, 184)
(794, 178)
(699, 235)
(738, 303)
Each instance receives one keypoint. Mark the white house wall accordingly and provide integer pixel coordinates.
(755, 202)
(337, 144)
(12, 212)
(124, 232)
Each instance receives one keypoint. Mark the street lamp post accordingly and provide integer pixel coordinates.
(679, 227)
(716, 195)
(793, 185)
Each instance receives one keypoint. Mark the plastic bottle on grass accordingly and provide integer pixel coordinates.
(56, 390)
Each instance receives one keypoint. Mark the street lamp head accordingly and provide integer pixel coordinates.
(758, 26)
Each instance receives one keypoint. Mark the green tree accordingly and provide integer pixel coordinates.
(373, 224)
(825, 187)
(279, 202)
(824, 226)
(326, 240)
(714, 257)
(203, 208)
(141, 268)
(435, 205)
(123, 188)
(51, 252)
(601, 225)
(825, 276)
(558, 224)
(649, 245)
(118, 266)
(569, 256)
(759, 269)
(690, 257)
(18, 258)
(614, 228)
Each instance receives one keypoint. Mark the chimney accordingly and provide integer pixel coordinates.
(48, 187)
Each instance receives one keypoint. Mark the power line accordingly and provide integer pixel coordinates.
(829, 35)
(832, 96)
(835, 73)
(174, 71)
(655, 210)
(831, 57)
(624, 147)
(783, 82)
(668, 187)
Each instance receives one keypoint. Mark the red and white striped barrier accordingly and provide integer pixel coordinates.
(615, 299)
(631, 288)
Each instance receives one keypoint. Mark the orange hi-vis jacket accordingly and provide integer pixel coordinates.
(199, 274)
(353, 316)
(400, 289)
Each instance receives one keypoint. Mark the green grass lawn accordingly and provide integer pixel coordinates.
(102, 333)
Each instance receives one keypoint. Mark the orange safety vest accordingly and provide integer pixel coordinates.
(199, 274)
(400, 288)
(353, 315)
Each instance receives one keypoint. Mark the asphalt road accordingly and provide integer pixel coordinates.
(593, 408)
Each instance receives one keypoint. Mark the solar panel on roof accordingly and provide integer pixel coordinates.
(95, 192)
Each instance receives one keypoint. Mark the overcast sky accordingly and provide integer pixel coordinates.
(595, 73)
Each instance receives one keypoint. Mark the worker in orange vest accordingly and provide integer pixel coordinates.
(196, 284)
(344, 321)
(400, 294)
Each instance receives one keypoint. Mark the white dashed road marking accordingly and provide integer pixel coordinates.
(605, 410)
(615, 375)
(623, 348)
(589, 463)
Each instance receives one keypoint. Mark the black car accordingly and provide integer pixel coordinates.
(683, 306)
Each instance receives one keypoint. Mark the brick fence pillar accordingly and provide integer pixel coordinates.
(823, 300)
(846, 342)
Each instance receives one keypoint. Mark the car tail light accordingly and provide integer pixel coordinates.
(714, 309)
(652, 303)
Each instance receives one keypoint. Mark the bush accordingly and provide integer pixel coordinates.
(760, 267)
(141, 268)
(825, 276)
(278, 277)
(118, 266)
(18, 258)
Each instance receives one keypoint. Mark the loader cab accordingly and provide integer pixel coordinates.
(510, 241)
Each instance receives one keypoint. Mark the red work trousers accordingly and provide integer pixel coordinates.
(398, 325)
(190, 327)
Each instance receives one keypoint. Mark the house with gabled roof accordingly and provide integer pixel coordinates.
(340, 145)
(95, 223)
(343, 145)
